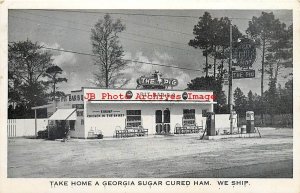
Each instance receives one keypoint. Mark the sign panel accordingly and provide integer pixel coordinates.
(244, 53)
(225, 79)
(147, 95)
(155, 81)
(105, 113)
(243, 74)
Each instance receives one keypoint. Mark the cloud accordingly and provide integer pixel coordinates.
(69, 64)
(78, 78)
(60, 58)
(135, 69)
(54, 45)
(74, 82)
(163, 56)
(64, 59)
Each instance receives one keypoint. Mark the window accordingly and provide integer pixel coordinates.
(79, 113)
(188, 117)
(82, 121)
(167, 116)
(204, 113)
(134, 118)
(72, 125)
(158, 116)
(78, 106)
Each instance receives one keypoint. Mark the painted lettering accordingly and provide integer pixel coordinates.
(90, 96)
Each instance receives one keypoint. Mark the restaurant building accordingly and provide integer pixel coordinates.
(92, 111)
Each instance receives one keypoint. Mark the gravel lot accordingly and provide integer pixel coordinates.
(182, 156)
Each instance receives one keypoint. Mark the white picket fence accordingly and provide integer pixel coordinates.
(24, 127)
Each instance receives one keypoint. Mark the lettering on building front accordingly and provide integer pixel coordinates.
(105, 113)
(149, 96)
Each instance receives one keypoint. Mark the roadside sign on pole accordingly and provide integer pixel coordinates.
(244, 53)
(225, 79)
(243, 74)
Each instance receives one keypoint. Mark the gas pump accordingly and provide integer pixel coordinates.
(210, 124)
(234, 121)
(250, 121)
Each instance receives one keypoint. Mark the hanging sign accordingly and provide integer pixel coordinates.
(244, 53)
(243, 74)
(225, 79)
(157, 80)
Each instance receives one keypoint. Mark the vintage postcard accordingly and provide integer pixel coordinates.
(137, 96)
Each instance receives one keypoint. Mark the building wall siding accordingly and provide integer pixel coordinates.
(108, 125)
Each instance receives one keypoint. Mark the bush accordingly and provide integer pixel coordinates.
(42, 134)
(99, 136)
(281, 120)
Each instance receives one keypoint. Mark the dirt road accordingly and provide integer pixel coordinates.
(155, 157)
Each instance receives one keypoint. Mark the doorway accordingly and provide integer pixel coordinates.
(162, 121)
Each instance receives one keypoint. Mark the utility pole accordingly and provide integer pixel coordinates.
(230, 79)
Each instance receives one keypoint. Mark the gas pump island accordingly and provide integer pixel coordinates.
(213, 133)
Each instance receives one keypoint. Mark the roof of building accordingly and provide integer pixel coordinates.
(64, 114)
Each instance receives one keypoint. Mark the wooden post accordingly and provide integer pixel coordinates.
(230, 79)
(48, 127)
(35, 124)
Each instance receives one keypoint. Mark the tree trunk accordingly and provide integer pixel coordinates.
(106, 65)
(54, 91)
(276, 72)
(222, 64)
(206, 63)
(275, 82)
(54, 85)
(215, 63)
(262, 79)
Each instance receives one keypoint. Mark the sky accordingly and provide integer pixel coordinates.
(147, 38)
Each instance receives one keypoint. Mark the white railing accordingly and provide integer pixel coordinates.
(11, 128)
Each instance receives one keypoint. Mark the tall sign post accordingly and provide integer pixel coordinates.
(230, 79)
(244, 54)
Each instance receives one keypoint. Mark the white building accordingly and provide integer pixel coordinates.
(104, 111)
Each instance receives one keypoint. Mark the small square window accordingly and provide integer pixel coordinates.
(204, 113)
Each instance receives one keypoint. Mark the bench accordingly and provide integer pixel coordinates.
(131, 132)
(186, 129)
